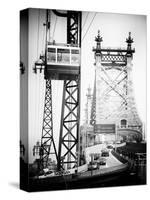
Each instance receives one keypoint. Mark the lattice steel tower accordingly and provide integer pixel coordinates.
(113, 99)
(62, 62)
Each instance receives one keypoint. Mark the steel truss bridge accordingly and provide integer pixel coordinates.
(111, 109)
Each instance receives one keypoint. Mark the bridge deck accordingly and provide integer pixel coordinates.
(112, 163)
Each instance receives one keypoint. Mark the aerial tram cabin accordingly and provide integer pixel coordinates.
(63, 61)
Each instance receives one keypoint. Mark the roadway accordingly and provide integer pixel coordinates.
(111, 161)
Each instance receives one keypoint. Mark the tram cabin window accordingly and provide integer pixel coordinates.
(51, 55)
(63, 55)
(75, 56)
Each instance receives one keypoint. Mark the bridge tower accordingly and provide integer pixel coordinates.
(113, 106)
(88, 106)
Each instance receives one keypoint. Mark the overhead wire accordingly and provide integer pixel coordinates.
(38, 32)
(38, 83)
(43, 40)
(89, 26)
(54, 27)
(36, 107)
(49, 25)
(85, 21)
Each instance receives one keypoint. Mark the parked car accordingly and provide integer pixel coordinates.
(96, 157)
(47, 174)
(110, 147)
(102, 161)
(105, 154)
(92, 166)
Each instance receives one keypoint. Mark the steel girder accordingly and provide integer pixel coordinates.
(69, 129)
(47, 140)
(93, 109)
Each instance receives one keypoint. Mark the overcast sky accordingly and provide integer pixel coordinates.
(114, 29)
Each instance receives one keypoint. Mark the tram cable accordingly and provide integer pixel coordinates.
(54, 27)
(37, 79)
(89, 26)
(38, 33)
(85, 21)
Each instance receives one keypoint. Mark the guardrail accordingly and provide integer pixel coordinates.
(105, 171)
(120, 158)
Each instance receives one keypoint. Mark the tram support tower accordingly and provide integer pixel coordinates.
(113, 104)
(62, 62)
(70, 116)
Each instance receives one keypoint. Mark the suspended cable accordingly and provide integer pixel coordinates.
(89, 26)
(38, 102)
(43, 40)
(38, 33)
(36, 79)
(85, 21)
(49, 25)
(54, 27)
